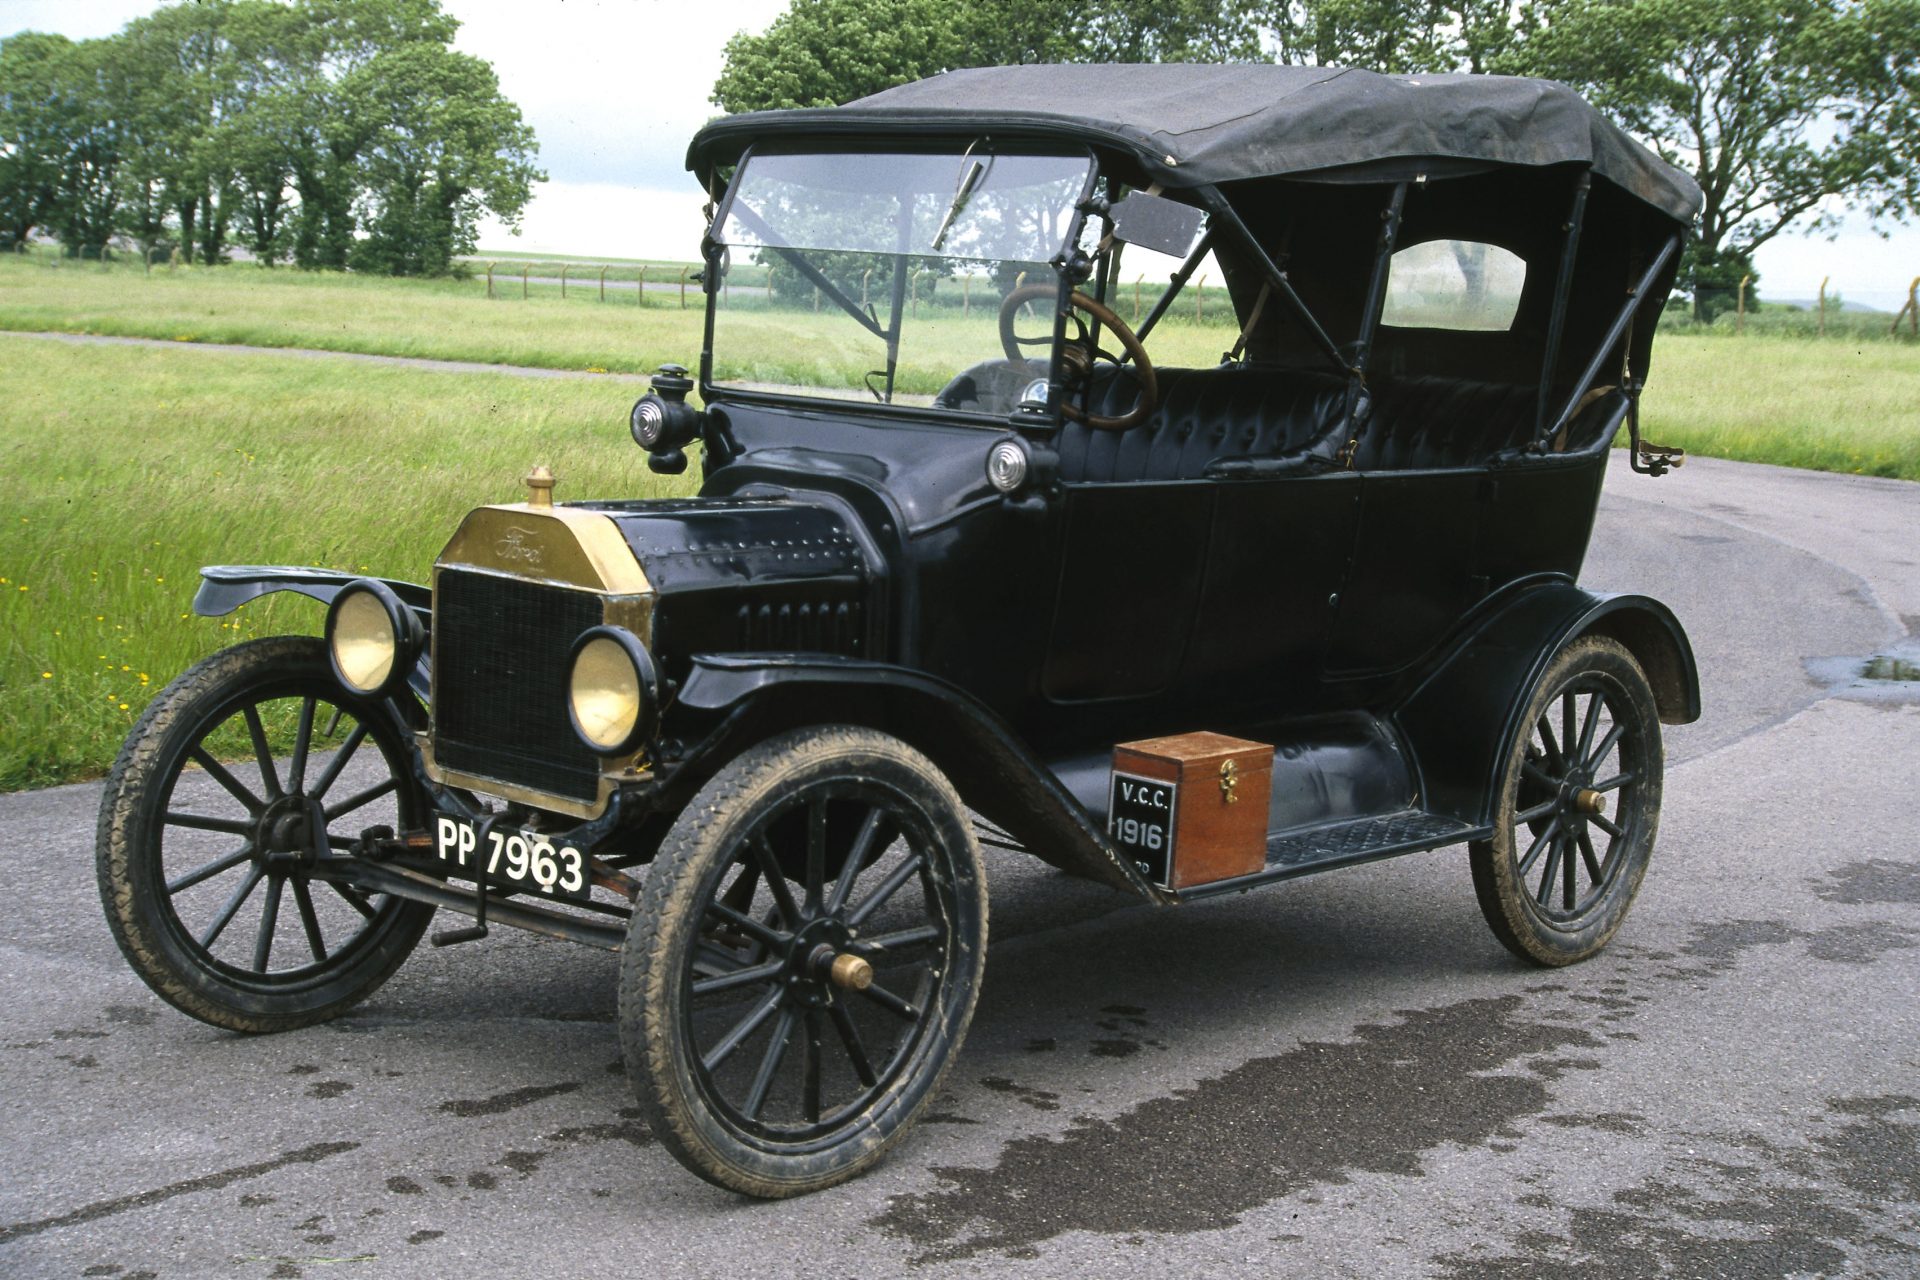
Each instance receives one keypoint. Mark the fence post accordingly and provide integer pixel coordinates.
(148, 257)
(173, 259)
(1823, 305)
(563, 282)
(966, 295)
(913, 291)
(490, 267)
(1136, 296)
(683, 288)
(864, 277)
(816, 298)
(524, 268)
(1200, 301)
(643, 287)
(603, 284)
(1740, 307)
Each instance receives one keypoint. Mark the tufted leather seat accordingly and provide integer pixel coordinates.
(1244, 422)
(1203, 415)
(1422, 423)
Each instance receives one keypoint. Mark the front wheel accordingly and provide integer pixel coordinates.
(1577, 808)
(213, 833)
(803, 962)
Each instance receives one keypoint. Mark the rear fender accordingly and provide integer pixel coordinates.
(1463, 719)
(225, 587)
(733, 702)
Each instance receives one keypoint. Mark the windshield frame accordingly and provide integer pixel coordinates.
(714, 251)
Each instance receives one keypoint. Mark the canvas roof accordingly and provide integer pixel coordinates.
(1193, 125)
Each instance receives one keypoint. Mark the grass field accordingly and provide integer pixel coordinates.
(1825, 405)
(129, 468)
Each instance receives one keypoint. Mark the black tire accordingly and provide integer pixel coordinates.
(756, 890)
(173, 881)
(1546, 821)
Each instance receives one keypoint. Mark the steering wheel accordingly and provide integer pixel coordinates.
(1081, 354)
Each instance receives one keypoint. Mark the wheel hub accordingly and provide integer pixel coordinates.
(818, 960)
(284, 835)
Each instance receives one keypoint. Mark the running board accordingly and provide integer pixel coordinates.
(1343, 844)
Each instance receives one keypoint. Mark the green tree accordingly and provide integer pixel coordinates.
(1401, 37)
(443, 146)
(33, 131)
(1787, 114)
(821, 53)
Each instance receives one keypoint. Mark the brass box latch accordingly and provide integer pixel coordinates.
(1230, 781)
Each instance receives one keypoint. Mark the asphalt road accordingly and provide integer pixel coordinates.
(1343, 1076)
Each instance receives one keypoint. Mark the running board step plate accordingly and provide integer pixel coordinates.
(1342, 844)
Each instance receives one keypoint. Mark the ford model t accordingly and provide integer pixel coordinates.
(982, 554)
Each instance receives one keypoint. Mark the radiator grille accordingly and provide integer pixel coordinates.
(500, 681)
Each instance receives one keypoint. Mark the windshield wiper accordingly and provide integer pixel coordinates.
(968, 181)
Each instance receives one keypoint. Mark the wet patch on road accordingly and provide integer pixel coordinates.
(1890, 677)
(512, 1100)
(1463, 1073)
(312, 1154)
(1845, 1201)
(1721, 945)
(1038, 1099)
(1877, 881)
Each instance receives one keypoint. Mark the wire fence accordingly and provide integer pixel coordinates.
(1734, 312)
(1721, 312)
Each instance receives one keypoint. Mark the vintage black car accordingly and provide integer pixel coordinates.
(976, 558)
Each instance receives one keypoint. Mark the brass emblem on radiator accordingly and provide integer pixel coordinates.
(514, 547)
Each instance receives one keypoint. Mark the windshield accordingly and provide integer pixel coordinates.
(899, 278)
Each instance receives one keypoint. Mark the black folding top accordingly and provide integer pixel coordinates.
(1192, 125)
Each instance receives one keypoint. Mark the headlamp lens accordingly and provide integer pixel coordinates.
(363, 642)
(605, 695)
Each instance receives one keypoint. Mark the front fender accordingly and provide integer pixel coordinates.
(732, 702)
(225, 587)
(1462, 719)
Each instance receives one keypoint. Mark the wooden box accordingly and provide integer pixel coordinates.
(1191, 809)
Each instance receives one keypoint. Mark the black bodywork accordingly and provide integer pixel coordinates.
(1357, 542)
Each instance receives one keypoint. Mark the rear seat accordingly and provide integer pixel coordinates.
(1245, 422)
(1421, 424)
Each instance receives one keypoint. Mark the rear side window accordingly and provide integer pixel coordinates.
(1454, 284)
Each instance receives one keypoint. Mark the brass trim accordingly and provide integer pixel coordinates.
(562, 546)
(851, 972)
(559, 547)
(609, 782)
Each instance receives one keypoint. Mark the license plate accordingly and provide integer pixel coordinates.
(1140, 822)
(525, 860)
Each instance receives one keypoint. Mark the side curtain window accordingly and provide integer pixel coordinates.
(1454, 284)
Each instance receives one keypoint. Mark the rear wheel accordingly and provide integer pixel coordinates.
(1578, 806)
(803, 962)
(212, 829)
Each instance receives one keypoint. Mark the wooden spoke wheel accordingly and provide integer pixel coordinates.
(1577, 808)
(214, 831)
(803, 962)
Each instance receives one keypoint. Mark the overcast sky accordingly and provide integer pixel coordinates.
(614, 88)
